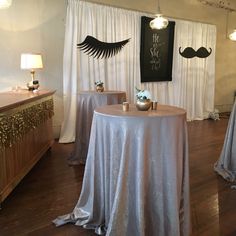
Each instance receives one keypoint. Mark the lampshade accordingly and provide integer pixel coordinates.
(31, 61)
(159, 22)
(232, 36)
(5, 3)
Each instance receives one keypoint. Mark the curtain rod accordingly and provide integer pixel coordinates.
(151, 13)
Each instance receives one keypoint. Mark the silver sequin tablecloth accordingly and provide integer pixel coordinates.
(88, 101)
(136, 180)
(226, 165)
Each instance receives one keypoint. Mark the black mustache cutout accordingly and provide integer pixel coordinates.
(94, 47)
(190, 52)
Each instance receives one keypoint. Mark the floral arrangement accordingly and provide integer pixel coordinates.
(98, 83)
(143, 94)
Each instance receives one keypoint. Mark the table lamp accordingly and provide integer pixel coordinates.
(31, 61)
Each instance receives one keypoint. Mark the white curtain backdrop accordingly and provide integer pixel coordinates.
(194, 79)
(70, 78)
(192, 85)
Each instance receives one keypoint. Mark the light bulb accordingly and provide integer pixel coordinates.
(232, 36)
(5, 4)
(159, 22)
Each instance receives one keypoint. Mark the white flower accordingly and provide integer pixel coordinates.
(143, 94)
(98, 83)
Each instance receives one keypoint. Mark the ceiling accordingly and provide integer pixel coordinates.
(229, 5)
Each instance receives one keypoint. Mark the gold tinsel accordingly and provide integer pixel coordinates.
(14, 126)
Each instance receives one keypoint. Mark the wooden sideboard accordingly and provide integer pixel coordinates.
(25, 134)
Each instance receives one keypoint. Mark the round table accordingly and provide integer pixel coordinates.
(88, 101)
(136, 179)
(226, 165)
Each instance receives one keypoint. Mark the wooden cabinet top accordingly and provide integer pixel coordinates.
(12, 99)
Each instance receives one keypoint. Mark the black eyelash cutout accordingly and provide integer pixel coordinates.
(98, 49)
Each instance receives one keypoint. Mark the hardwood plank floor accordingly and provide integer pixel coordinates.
(52, 188)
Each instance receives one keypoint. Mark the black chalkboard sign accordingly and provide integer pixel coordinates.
(156, 52)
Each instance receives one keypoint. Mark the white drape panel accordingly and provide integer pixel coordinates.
(194, 79)
(70, 77)
(108, 24)
(192, 85)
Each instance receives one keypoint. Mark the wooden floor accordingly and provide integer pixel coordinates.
(52, 188)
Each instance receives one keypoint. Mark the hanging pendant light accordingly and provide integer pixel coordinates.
(232, 35)
(5, 4)
(159, 22)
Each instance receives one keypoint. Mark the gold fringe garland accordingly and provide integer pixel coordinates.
(14, 126)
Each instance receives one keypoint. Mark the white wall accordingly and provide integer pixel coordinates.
(34, 26)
